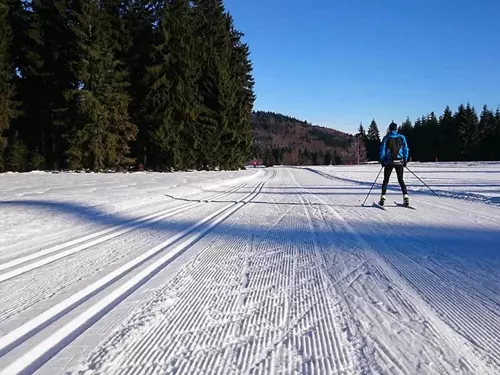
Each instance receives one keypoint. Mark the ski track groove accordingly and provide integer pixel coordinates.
(33, 293)
(49, 240)
(46, 352)
(463, 360)
(97, 238)
(454, 308)
(450, 300)
(263, 303)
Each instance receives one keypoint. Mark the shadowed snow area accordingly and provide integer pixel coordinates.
(263, 271)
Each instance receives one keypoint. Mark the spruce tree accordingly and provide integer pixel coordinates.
(47, 54)
(448, 136)
(485, 147)
(102, 130)
(213, 49)
(140, 17)
(373, 139)
(468, 130)
(171, 102)
(361, 143)
(6, 78)
(240, 99)
(496, 135)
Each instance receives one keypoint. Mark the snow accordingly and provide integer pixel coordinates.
(278, 270)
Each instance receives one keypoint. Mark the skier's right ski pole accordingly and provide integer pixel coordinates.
(372, 186)
(423, 182)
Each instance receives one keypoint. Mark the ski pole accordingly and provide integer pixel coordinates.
(427, 186)
(372, 186)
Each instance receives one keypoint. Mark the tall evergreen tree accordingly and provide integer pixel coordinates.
(361, 143)
(47, 54)
(468, 129)
(237, 140)
(171, 102)
(496, 135)
(485, 147)
(373, 140)
(102, 130)
(140, 17)
(6, 78)
(214, 82)
(448, 136)
(362, 133)
(407, 130)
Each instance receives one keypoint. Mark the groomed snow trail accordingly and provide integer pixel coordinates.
(280, 271)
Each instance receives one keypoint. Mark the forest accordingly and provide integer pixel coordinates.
(123, 84)
(463, 135)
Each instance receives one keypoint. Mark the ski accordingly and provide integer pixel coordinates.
(378, 206)
(402, 205)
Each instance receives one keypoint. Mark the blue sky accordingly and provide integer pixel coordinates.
(339, 63)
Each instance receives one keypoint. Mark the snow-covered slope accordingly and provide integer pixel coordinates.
(275, 270)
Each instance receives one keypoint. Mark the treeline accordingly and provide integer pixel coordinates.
(113, 84)
(281, 139)
(288, 156)
(463, 135)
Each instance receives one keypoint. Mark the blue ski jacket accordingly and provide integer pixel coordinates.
(394, 147)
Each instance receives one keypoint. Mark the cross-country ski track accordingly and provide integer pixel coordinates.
(261, 271)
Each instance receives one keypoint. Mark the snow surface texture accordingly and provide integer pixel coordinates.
(263, 271)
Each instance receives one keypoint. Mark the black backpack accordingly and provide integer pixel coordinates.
(394, 146)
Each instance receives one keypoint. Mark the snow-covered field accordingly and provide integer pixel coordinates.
(263, 271)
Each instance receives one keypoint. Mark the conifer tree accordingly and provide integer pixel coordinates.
(214, 80)
(484, 149)
(496, 135)
(6, 78)
(239, 102)
(102, 130)
(361, 143)
(48, 51)
(171, 102)
(140, 17)
(468, 130)
(373, 140)
(448, 135)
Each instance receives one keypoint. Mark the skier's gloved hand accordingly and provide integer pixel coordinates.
(381, 162)
(405, 162)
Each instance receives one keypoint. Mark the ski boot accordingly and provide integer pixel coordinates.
(382, 200)
(406, 200)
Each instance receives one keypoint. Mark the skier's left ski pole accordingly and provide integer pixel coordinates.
(372, 186)
(423, 182)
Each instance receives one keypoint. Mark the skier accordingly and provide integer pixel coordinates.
(394, 155)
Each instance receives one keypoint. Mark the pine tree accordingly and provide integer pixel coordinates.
(496, 135)
(268, 158)
(47, 55)
(431, 135)
(361, 143)
(239, 102)
(407, 130)
(6, 78)
(448, 136)
(468, 130)
(171, 102)
(102, 132)
(140, 17)
(16, 154)
(214, 80)
(373, 140)
(485, 147)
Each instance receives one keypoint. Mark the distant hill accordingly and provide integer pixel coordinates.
(296, 142)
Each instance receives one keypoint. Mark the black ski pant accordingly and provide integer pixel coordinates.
(387, 175)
